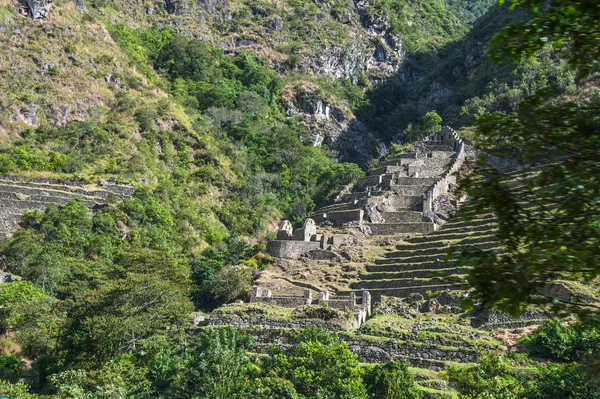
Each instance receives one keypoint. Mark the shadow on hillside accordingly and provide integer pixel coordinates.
(440, 79)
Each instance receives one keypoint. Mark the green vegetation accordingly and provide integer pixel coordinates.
(392, 380)
(214, 363)
(543, 219)
(495, 377)
(321, 366)
(181, 105)
(553, 340)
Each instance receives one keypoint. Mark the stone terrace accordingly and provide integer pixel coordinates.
(420, 264)
(398, 196)
(19, 194)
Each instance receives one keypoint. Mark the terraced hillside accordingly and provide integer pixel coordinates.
(397, 196)
(421, 264)
(19, 194)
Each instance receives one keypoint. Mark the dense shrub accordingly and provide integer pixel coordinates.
(321, 367)
(562, 382)
(392, 380)
(553, 340)
(490, 378)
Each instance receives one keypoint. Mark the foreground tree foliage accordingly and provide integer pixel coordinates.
(548, 214)
(548, 217)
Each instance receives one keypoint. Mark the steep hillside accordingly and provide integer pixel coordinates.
(325, 49)
(150, 149)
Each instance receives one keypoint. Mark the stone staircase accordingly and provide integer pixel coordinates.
(19, 194)
(396, 197)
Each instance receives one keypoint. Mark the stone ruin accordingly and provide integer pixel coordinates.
(359, 306)
(17, 194)
(399, 197)
(293, 244)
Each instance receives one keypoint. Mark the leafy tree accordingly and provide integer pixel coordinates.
(11, 367)
(490, 379)
(14, 294)
(392, 380)
(118, 378)
(542, 219)
(19, 390)
(562, 382)
(215, 365)
(321, 366)
(565, 24)
(64, 244)
(219, 273)
(556, 341)
(543, 215)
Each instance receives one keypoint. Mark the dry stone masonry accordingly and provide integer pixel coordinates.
(397, 197)
(293, 244)
(359, 306)
(416, 287)
(19, 194)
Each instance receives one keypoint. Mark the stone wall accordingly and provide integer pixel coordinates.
(495, 319)
(447, 137)
(293, 244)
(291, 249)
(263, 322)
(359, 306)
(369, 349)
(18, 194)
(259, 294)
(382, 350)
(338, 218)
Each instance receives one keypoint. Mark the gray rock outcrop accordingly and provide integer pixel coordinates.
(37, 9)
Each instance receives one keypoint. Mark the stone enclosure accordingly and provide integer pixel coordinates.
(358, 304)
(396, 198)
(293, 244)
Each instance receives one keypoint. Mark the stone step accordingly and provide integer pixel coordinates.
(396, 228)
(339, 218)
(406, 283)
(398, 256)
(431, 146)
(374, 181)
(361, 195)
(403, 217)
(406, 202)
(411, 274)
(405, 267)
(466, 224)
(455, 235)
(430, 247)
(411, 190)
(377, 293)
(485, 226)
(45, 197)
(39, 202)
(81, 188)
(439, 256)
(387, 169)
(433, 357)
(400, 159)
(415, 181)
(467, 227)
(53, 190)
(341, 206)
